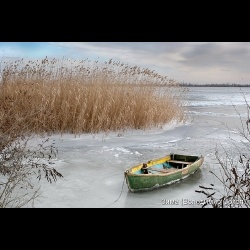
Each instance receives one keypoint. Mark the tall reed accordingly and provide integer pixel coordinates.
(70, 96)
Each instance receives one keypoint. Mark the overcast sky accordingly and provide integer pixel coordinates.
(191, 62)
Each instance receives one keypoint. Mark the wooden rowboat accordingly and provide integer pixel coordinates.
(162, 171)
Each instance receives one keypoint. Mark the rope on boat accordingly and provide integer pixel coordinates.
(121, 190)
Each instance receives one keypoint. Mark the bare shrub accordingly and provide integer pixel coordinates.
(233, 189)
(20, 167)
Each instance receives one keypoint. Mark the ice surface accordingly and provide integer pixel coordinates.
(93, 165)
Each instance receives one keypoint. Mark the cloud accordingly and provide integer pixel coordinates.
(202, 62)
(216, 54)
(169, 54)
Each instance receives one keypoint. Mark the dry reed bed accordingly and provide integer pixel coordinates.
(65, 96)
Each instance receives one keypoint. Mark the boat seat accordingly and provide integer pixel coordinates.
(165, 171)
(180, 162)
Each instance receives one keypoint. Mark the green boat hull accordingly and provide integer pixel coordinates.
(145, 182)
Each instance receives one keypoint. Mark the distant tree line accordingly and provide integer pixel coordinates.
(214, 85)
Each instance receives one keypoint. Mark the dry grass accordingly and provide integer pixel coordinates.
(64, 96)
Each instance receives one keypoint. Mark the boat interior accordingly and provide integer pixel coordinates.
(168, 165)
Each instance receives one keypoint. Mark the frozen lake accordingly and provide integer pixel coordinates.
(93, 165)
